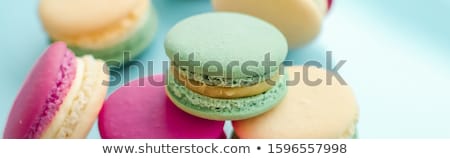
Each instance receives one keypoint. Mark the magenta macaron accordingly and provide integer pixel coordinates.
(141, 110)
(60, 98)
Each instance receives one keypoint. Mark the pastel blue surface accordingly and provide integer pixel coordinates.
(396, 54)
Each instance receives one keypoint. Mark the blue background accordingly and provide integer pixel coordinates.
(396, 53)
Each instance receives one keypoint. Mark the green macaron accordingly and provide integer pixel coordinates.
(225, 66)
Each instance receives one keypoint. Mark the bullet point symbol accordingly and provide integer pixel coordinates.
(258, 148)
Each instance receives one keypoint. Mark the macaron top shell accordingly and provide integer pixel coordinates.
(142, 110)
(299, 20)
(308, 111)
(42, 93)
(223, 39)
(72, 17)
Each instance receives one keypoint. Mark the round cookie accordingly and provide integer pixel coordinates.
(225, 66)
(60, 98)
(105, 29)
(299, 20)
(142, 110)
(309, 111)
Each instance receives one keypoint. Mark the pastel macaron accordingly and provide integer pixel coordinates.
(60, 98)
(141, 110)
(218, 70)
(106, 29)
(299, 20)
(312, 109)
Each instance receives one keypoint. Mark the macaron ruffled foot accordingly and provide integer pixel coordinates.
(60, 98)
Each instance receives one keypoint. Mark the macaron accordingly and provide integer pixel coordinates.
(60, 98)
(310, 110)
(225, 66)
(299, 20)
(106, 29)
(141, 110)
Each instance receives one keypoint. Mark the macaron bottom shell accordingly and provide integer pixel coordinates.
(224, 109)
(134, 44)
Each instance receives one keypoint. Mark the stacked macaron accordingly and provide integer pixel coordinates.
(225, 66)
(299, 20)
(105, 29)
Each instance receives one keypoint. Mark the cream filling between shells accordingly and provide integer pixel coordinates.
(69, 114)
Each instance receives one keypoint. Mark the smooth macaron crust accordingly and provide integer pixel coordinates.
(330, 4)
(60, 98)
(299, 20)
(225, 66)
(227, 41)
(141, 110)
(104, 29)
(309, 110)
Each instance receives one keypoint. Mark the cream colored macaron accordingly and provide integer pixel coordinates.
(324, 111)
(223, 92)
(299, 20)
(103, 28)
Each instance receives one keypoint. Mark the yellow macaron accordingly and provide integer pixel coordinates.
(324, 111)
(223, 92)
(103, 28)
(299, 20)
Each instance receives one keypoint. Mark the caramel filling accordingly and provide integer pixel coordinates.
(109, 35)
(224, 92)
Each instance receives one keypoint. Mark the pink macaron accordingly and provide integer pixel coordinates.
(141, 110)
(60, 98)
